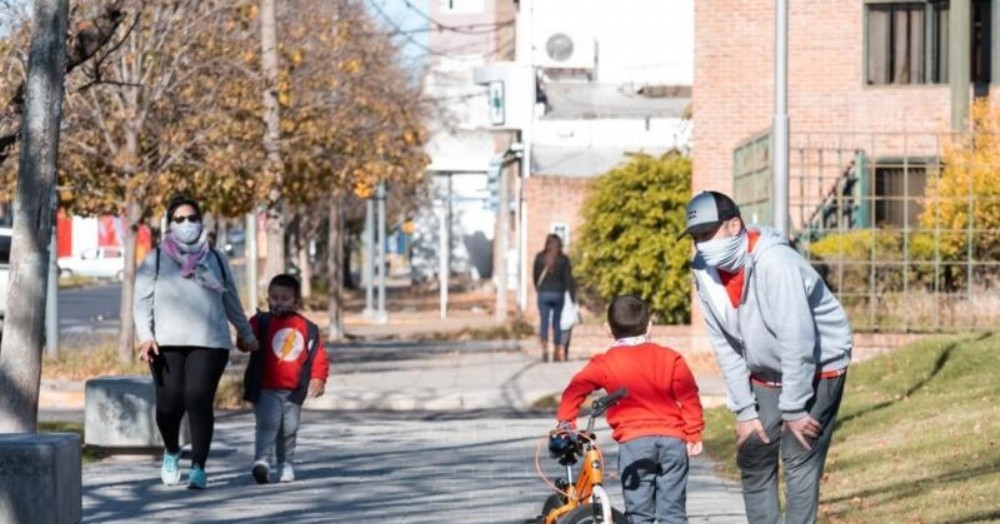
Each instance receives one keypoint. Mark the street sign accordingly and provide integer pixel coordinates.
(497, 103)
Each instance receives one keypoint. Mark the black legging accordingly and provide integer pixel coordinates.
(186, 379)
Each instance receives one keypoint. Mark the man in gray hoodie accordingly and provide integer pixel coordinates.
(783, 344)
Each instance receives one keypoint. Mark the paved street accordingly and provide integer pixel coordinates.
(417, 467)
(89, 310)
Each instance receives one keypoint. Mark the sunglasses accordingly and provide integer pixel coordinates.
(179, 219)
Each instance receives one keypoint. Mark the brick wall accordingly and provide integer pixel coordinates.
(734, 81)
(550, 199)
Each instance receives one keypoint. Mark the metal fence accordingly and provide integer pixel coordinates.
(905, 228)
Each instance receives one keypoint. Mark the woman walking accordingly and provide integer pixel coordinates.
(553, 276)
(185, 298)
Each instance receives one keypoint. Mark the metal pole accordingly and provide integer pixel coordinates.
(52, 301)
(503, 240)
(340, 265)
(443, 249)
(959, 50)
(527, 138)
(380, 316)
(369, 257)
(779, 133)
(250, 255)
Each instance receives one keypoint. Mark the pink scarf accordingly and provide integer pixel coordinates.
(193, 261)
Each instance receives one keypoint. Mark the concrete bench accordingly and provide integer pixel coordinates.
(120, 412)
(40, 478)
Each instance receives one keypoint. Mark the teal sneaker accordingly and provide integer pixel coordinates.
(170, 471)
(197, 478)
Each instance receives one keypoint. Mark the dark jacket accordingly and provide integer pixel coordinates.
(558, 279)
(253, 378)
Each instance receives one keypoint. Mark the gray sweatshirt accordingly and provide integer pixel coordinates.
(177, 311)
(788, 327)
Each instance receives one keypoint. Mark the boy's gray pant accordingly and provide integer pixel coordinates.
(654, 473)
(277, 426)
(758, 462)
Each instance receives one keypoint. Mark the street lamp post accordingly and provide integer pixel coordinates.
(368, 258)
(780, 129)
(381, 317)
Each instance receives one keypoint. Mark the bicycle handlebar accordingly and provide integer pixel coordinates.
(602, 404)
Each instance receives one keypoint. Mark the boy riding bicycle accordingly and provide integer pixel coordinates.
(658, 425)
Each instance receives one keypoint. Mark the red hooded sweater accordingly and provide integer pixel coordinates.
(662, 395)
(285, 353)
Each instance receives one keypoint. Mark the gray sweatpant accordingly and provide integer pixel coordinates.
(277, 426)
(654, 473)
(758, 462)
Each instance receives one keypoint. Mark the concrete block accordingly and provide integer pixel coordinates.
(40, 477)
(120, 412)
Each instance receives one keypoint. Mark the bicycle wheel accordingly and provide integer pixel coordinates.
(585, 515)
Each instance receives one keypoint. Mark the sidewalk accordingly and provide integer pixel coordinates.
(422, 433)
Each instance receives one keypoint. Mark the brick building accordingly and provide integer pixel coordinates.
(865, 78)
(869, 103)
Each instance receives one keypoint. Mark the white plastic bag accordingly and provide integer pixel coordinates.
(570, 313)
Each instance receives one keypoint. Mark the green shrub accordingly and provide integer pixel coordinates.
(629, 240)
(847, 260)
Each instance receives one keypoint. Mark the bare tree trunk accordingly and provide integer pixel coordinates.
(305, 270)
(334, 268)
(24, 332)
(275, 262)
(126, 329)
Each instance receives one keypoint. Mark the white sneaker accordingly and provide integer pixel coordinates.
(287, 473)
(170, 471)
(260, 471)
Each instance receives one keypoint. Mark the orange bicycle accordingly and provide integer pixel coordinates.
(584, 501)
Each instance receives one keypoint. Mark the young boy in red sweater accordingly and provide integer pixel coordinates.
(290, 365)
(657, 425)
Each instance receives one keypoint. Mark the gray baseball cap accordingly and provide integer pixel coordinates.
(707, 210)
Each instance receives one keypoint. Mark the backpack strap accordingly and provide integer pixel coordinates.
(312, 330)
(222, 268)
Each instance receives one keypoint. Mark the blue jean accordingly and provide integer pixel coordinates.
(654, 473)
(550, 304)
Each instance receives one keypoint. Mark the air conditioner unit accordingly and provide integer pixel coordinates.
(565, 50)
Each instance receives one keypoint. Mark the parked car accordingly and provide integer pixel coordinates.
(5, 236)
(102, 262)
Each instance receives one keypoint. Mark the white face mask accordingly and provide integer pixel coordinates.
(728, 254)
(186, 232)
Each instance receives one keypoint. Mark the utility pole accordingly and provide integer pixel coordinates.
(369, 257)
(380, 315)
(335, 258)
(779, 130)
(444, 249)
(503, 238)
(959, 51)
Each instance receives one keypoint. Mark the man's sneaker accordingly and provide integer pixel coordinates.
(260, 471)
(287, 473)
(170, 471)
(197, 478)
